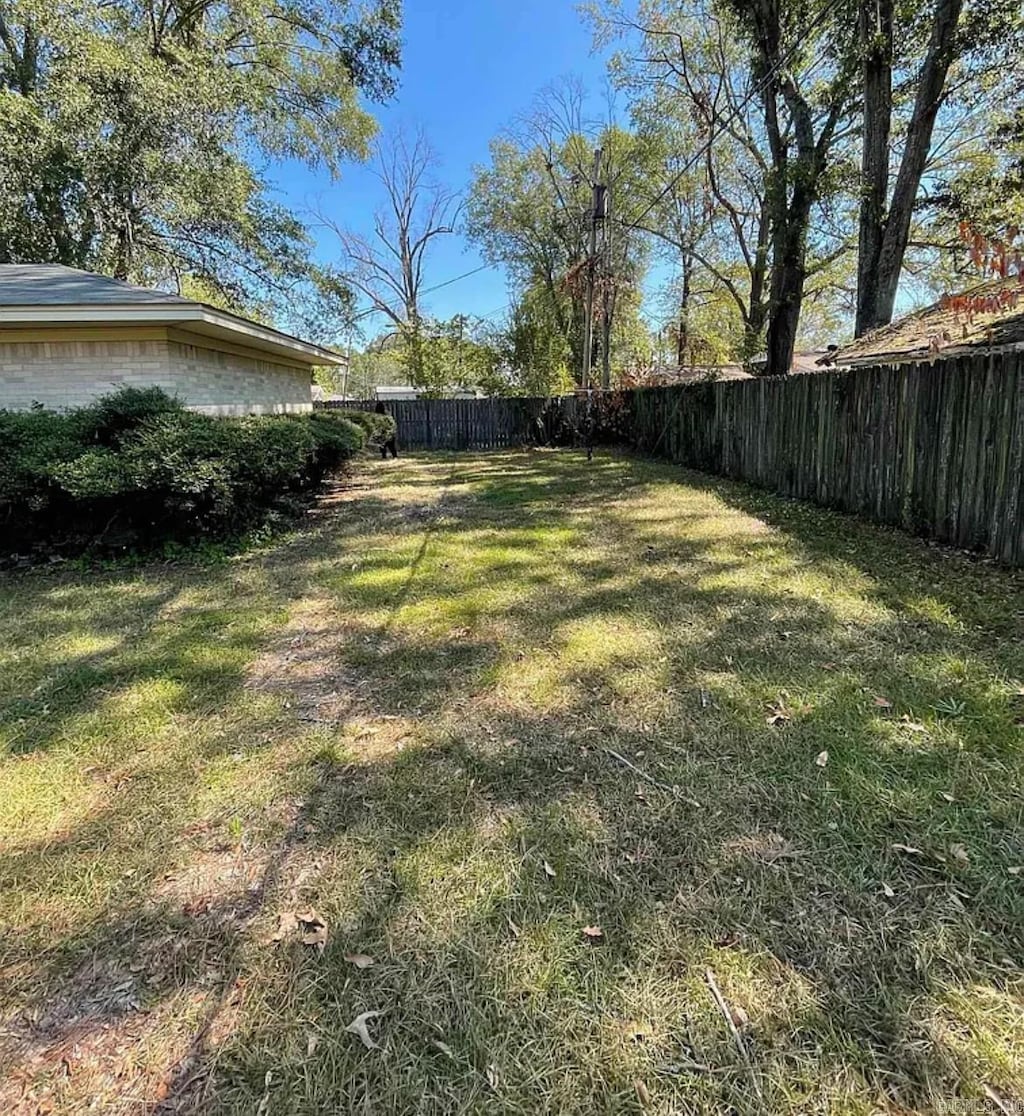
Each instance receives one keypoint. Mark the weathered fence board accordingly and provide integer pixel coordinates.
(475, 423)
(936, 448)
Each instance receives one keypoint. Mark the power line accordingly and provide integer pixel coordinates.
(464, 275)
(757, 89)
(429, 290)
(491, 313)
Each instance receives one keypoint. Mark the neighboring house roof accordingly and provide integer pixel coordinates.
(804, 360)
(986, 316)
(42, 295)
(669, 375)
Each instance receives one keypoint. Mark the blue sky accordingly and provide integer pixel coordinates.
(469, 68)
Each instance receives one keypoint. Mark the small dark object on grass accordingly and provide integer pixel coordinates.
(392, 442)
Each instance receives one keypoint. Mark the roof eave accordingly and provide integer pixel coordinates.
(192, 317)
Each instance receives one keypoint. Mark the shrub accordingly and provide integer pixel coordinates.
(378, 428)
(136, 470)
(112, 417)
(31, 444)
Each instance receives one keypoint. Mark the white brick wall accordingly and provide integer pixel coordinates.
(63, 374)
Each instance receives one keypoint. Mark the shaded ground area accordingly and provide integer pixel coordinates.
(482, 705)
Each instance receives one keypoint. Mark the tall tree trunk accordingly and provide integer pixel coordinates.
(788, 275)
(683, 335)
(876, 75)
(607, 322)
(884, 244)
(757, 307)
(798, 161)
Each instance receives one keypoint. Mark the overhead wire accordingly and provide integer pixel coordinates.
(429, 290)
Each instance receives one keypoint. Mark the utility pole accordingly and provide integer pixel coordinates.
(609, 295)
(597, 206)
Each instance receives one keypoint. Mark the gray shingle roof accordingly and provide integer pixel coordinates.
(49, 296)
(54, 285)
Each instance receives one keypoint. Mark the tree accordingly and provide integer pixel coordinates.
(987, 192)
(387, 266)
(695, 100)
(529, 210)
(803, 61)
(535, 347)
(378, 364)
(459, 354)
(688, 83)
(134, 131)
(963, 47)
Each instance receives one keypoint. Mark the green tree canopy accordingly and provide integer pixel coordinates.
(529, 210)
(135, 131)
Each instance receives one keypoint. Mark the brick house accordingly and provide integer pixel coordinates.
(68, 337)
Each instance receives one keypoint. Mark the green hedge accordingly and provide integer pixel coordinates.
(136, 471)
(378, 428)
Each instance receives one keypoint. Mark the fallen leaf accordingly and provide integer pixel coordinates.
(287, 924)
(888, 892)
(549, 871)
(358, 1027)
(642, 1093)
(492, 1076)
(959, 854)
(314, 929)
(822, 759)
(899, 847)
(316, 936)
(444, 1048)
(778, 714)
(1016, 870)
(312, 1042)
(360, 960)
(594, 933)
(948, 797)
(739, 1017)
(882, 703)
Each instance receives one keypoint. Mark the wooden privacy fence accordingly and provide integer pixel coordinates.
(475, 423)
(937, 448)
(934, 448)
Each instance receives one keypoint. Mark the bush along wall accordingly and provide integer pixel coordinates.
(136, 471)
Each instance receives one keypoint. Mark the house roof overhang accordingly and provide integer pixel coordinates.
(195, 318)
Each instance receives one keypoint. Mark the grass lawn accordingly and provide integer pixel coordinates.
(550, 742)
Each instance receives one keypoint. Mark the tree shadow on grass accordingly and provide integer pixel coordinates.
(504, 664)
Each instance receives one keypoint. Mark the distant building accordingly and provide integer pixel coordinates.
(669, 375)
(406, 391)
(804, 360)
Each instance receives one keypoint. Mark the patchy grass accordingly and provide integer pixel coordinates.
(483, 703)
